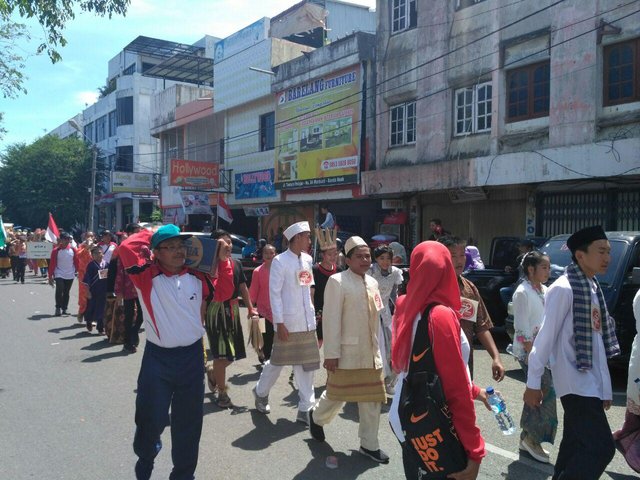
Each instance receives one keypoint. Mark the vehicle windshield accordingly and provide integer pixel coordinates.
(560, 257)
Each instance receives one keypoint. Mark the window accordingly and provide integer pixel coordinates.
(88, 132)
(124, 109)
(621, 81)
(124, 159)
(466, 3)
(473, 109)
(267, 131)
(112, 123)
(528, 92)
(101, 128)
(403, 124)
(403, 15)
(130, 70)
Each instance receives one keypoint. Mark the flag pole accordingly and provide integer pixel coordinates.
(217, 208)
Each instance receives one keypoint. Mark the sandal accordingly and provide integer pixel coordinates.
(211, 380)
(223, 400)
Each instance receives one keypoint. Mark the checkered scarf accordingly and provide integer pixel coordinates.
(582, 319)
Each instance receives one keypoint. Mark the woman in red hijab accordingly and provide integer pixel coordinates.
(433, 281)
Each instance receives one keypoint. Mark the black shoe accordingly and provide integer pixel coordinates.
(375, 455)
(317, 432)
(130, 349)
(64, 312)
(57, 314)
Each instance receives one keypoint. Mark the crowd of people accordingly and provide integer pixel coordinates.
(353, 307)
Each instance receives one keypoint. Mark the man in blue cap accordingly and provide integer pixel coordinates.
(173, 299)
(578, 335)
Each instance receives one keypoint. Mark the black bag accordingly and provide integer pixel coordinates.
(430, 437)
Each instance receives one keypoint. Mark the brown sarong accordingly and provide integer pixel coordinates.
(114, 321)
(359, 385)
(300, 349)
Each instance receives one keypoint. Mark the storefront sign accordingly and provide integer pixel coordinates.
(255, 184)
(392, 204)
(318, 131)
(260, 211)
(194, 175)
(196, 203)
(39, 249)
(131, 182)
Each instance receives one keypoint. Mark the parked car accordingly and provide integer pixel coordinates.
(504, 252)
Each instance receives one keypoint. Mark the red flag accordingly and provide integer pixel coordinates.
(224, 212)
(52, 233)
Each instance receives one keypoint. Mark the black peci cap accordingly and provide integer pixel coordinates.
(585, 236)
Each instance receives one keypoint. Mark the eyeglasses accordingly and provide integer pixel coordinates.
(173, 248)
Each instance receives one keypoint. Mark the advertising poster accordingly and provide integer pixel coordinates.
(257, 184)
(195, 203)
(131, 182)
(194, 175)
(318, 131)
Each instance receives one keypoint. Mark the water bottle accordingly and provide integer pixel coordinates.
(499, 408)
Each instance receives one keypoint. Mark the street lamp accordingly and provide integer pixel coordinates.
(73, 124)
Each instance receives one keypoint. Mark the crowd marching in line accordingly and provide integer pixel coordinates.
(355, 305)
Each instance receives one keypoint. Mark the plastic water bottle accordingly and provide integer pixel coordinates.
(499, 408)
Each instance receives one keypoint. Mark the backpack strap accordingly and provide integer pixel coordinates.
(422, 354)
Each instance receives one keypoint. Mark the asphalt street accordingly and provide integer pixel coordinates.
(67, 412)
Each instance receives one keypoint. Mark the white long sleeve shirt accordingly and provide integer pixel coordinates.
(291, 302)
(554, 344)
(528, 312)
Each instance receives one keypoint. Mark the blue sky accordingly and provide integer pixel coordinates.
(56, 92)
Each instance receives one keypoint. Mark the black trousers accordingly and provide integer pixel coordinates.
(63, 287)
(587, 444)
(132, 321)
(21, 266)
(267, 338)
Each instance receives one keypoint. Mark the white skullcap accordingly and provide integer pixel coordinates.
(353, 242)
(295, 229)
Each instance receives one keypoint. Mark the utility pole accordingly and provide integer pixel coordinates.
(92, 189)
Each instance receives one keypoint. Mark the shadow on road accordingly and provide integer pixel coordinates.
(621, 476)
(267, 433)
(78, 335)
(100, 345)
(106, 356)
(518, 470)
(68, 327)
(350, 465)
(40, 316)
(239, 379)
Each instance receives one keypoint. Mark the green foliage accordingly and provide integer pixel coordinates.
(156, 215)
(49, 175)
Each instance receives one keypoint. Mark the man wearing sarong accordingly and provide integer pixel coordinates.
(294, 320)
(350, 317)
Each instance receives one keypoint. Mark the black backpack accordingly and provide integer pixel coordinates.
(430, 437)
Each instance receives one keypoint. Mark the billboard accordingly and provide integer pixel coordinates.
(258, 184)
(131, 182)
(194, 175)
(318, 131)
(242, 39)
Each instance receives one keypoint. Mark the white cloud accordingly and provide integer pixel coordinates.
(86, 98)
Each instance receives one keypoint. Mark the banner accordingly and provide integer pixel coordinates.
(39, 249)
(260, 211)
(318, 131)
(257, 184)
(196, 203)
(194, 175)
(131, 182)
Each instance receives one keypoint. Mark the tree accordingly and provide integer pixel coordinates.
(49, 175)
(53, 16)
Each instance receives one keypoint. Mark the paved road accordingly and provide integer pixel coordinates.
(67, 398)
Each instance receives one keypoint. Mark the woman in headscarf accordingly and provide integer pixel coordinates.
(628, 437)
(433, 281)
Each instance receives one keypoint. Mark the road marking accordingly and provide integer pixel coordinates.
(545, 468)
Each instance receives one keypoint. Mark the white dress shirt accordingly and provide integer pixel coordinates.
(528, 312)
(291, 302)
(555, 345)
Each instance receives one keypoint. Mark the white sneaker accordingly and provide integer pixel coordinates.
(262, 403)
(535, 450)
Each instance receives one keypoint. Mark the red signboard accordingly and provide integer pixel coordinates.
(194, 175)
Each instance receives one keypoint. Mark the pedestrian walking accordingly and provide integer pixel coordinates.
(389, 278)
(295, 342)
(127, 294)
(579, 334)
(627, 439)
(84, 258)
(475, 320)
(537, 425)
(95, 279)
(63, 266)
(433, 281)
(327, 266)
(259, 293)
(224, 328)
(171, 379)
(21, 262)
(351, 318)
